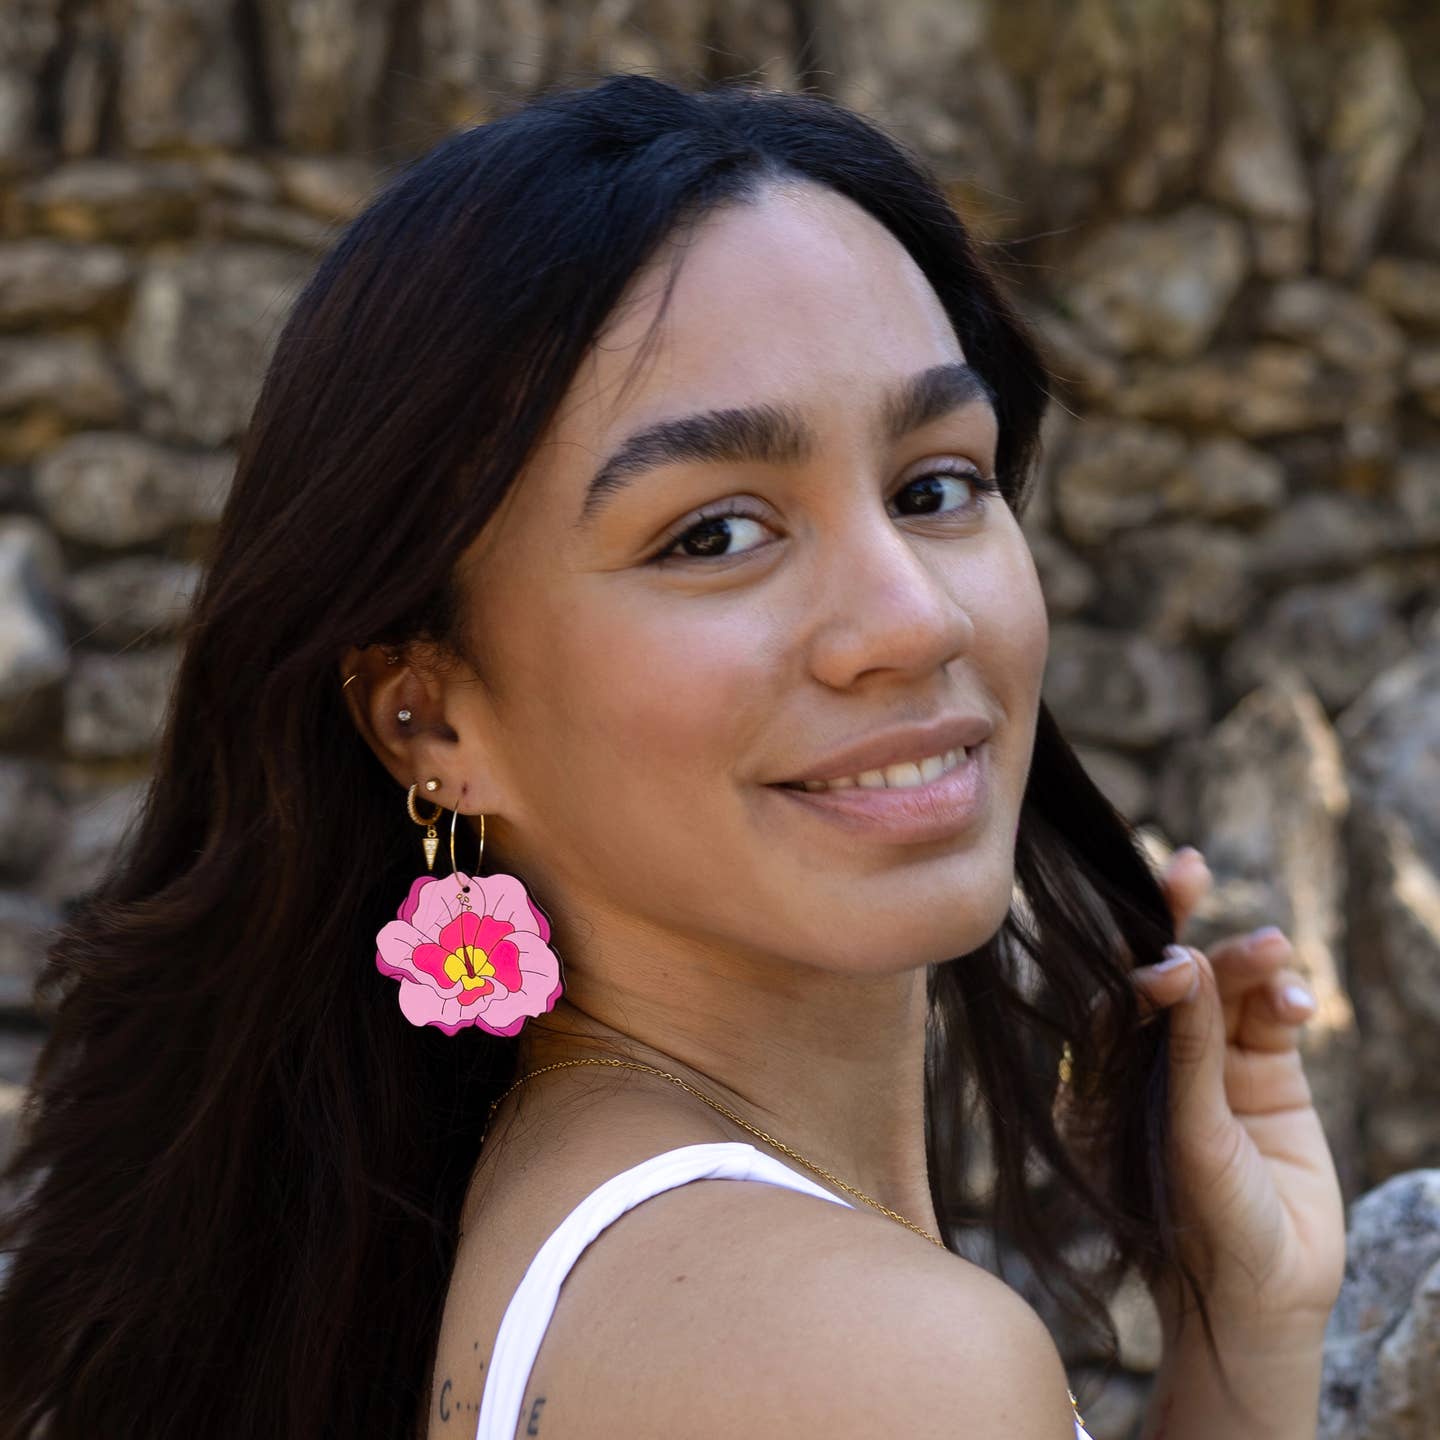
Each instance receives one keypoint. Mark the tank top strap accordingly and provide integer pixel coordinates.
(528, 1314)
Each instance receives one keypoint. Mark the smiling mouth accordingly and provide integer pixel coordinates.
(904, 775)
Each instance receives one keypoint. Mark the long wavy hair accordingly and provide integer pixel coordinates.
(241, 1172)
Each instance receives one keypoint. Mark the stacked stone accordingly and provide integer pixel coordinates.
(1223, 217)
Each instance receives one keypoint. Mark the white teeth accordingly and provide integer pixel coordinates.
(903, 776)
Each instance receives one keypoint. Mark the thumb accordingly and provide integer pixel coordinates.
(1199, 1109)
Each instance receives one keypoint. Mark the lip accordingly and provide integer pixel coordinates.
(917, 813)
(890, 747)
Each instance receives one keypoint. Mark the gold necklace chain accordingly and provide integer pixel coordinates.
(744, 1125)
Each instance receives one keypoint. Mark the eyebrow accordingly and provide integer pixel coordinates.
(774, 434)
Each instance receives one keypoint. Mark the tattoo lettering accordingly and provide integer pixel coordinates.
(533, 1428)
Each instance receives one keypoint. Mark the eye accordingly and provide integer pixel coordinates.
(929, 490)
(709, 536)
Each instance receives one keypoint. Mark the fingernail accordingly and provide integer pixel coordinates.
(1175, 957)
(1265, 934)
(1297, 997)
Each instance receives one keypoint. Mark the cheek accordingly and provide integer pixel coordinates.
(653, 693)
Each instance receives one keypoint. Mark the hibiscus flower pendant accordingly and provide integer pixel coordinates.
(470, 950)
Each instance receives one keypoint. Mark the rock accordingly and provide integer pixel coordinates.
(1408, 289)
(332, 188)
(25, 926)
(325, 65)
(34, 658)
(1112, 476)
(1121, 690)
(181, 78)
(43, 281)
(238, 177)
(1320, 535)
(1374, 120)
(121, 200)
(1177, 583)
(1341, 327)
(134, 598)
(1266, 389)
(201, 332)
(1422, 377)
(1339, 636)
(1066, 581)
(1158, 285)
(1417, 496)
(1381, 1376)
(1417, 209)
(65, 380)
(1124, 784)
(1085, 90)
(113, 489)
(1225, 479)
(114, 704)
(31, 818)
(269, 224)
(28, 34)
(1173, 54)
(1392, 737)
(100, 821)
(1256, 165)
(1270, 800)
(1071, 358)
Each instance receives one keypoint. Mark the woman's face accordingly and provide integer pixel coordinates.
(638, 714)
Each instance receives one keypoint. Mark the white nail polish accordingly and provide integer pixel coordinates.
(1298, 997)
(1175, 957)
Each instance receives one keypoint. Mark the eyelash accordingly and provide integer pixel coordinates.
(985, 485)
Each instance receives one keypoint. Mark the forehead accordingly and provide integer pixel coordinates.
(797, 295)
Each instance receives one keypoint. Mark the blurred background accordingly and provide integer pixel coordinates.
(1223, 218)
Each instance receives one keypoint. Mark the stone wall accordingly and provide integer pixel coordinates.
(1224, 218)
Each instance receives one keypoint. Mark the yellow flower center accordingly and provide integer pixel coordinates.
(470, 965)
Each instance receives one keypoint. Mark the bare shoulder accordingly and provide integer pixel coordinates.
(729, 1307)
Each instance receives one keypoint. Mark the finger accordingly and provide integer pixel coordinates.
(1197, 1055)
(1244, 962)
(1272, 1015)
(1165, 983)
(1186, 880)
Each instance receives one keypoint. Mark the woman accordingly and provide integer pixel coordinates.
(639, 470)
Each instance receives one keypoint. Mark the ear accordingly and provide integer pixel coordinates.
(444, 736)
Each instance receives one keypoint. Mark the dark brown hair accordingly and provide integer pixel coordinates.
(241, 1169)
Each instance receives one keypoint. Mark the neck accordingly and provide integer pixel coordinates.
(832, 1064)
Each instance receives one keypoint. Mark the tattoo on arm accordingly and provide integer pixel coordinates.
(533, 1428)
(453, 1408)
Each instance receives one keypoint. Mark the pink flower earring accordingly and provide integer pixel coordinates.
(468, 949)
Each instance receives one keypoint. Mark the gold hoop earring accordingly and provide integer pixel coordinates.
(431, 840)
(454, 816)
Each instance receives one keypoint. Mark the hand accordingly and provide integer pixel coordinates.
(1253, 1175)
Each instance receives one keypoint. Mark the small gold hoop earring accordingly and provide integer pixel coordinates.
(431, 839)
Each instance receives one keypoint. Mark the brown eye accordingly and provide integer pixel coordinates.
(930, 489)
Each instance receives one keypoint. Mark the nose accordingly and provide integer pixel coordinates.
(885, 600)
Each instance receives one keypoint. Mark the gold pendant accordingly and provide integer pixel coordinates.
(431, 842)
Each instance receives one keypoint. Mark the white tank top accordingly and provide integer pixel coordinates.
(528, 1314)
